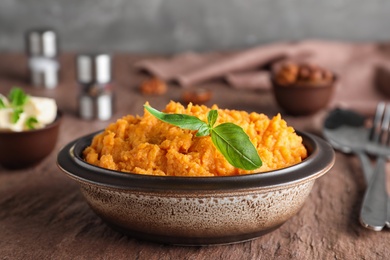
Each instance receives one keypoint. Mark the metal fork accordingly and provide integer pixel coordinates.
(373, 214)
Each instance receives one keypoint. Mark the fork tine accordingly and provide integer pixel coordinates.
(376, 127)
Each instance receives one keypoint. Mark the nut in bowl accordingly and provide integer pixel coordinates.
(29, 128)
(302, 88)
(191, 210)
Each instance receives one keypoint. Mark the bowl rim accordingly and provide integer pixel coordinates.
(320, 160)
(304, 85)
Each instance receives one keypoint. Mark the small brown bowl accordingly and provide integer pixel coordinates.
(196, 210)
(27, 148)
(382, 77)
(303, 98)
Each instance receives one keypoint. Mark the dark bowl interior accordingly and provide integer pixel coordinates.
(27, 148)
(319, 161)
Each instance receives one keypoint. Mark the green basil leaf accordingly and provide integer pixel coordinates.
(212, 117)
(180, 120)
(16, 115)
(2, 105)
(230, 139)
(236, 147)
(17, 97)
(204, 130)
(30, 122)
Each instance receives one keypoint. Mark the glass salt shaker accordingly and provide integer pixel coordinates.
(96, 97)
(42, 51)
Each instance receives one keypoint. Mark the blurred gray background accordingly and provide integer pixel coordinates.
(168, 26)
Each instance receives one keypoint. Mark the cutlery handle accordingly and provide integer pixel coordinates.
(373, 214)
(366, 165)
(388, 211)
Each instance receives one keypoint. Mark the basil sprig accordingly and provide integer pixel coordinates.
(2, 105)
(18, 99)
(31, 121)
(229, 139)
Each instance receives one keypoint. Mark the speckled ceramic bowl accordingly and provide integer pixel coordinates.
(197, 210)
(28, 148)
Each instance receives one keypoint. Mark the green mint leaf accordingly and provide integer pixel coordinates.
(30, 122)
(212, 117)
(17, 97)
(16, 115)
(180, 120)
(2, 105)
(236, 147)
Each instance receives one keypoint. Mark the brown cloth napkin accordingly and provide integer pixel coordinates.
(190, 68)
(357, 66)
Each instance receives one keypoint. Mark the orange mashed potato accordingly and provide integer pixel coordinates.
(146, 145)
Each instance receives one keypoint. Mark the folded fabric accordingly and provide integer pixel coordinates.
(170, 69)
(249, 80)
(189, 68)
(354, 64)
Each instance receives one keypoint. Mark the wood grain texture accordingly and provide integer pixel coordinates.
(44, 216)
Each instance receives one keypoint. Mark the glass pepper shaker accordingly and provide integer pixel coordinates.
(96, 96)
(42, 50)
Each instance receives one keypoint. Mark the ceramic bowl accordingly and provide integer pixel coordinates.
(28, 148)
(381, 78)
(196, 210)
(303, 98)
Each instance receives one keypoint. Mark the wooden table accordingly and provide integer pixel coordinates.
(44, 216)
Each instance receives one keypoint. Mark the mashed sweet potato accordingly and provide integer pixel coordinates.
(146, 145)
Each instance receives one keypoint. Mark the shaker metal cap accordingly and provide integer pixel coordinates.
(42, 42)
(99, 107)
(93, 68)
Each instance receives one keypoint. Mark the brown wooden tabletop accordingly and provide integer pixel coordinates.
(43, 214)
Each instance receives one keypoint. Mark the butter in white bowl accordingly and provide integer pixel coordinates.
(22, 112)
